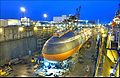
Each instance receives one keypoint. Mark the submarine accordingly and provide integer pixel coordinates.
(64, 44)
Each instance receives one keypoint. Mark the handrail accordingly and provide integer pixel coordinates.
(98, 59)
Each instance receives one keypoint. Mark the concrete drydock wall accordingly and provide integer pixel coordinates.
(15, 43)
(13, 49)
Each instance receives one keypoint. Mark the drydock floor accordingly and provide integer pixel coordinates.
(86, 67)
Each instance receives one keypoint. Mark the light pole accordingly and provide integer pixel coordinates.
(22, 9)
(45, 16)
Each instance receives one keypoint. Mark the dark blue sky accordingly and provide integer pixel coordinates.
(104, 10)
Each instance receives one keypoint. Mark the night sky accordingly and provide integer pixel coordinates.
(104, 10)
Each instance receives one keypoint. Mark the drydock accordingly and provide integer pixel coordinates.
(64, 47)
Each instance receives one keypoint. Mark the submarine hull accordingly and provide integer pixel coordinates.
(61, 48)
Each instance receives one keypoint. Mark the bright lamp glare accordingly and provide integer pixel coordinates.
(35, 28)
(43, 27)
(111, 70)
(45, 15)
(21, 29)
(22, 9)
(23, 76)
(1, 30)
(46, 64)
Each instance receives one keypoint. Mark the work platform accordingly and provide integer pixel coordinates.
(108, 65)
